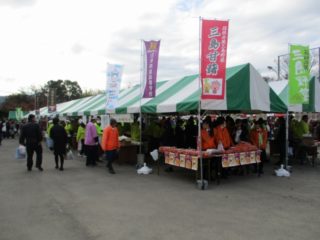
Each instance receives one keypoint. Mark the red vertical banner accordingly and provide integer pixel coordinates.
(214, 42)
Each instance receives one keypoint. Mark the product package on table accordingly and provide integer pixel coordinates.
(240, 154)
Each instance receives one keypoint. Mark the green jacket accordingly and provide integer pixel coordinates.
(301, 128)
(80, 133)
(135, 132)
(68, 128)
(99, 129)
(49, 128)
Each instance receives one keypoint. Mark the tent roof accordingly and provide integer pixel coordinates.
(281, 89)
(246, 90)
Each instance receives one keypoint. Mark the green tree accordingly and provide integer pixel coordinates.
(73, 89)
(91, 92)
(65, 90)
(23, 100)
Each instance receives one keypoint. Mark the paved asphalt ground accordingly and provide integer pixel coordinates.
(90, 204)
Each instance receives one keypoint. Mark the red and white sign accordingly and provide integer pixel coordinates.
(213, 58)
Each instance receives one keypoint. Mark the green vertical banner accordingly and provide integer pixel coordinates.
(299, 74)
(19, 114)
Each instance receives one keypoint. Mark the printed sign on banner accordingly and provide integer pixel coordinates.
(114, 74)
(299, 74)
(151, 56)
(213, 58)
(52, 107)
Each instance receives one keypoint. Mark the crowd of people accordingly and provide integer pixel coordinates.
(94, 142)
(92, 139)
(8, 129)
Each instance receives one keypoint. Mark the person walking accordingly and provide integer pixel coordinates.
(60, 138)
(110, 143)
(80, 137)
(91, 141)
(31, 137)
(1, 126)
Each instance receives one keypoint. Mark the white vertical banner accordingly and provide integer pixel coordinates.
(114, 75)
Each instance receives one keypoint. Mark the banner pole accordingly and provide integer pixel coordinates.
(278, 69)
(286, 155)
(141, 81)
(199, 142)
(319, 65)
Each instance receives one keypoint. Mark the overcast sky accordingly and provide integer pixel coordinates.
(44, 40)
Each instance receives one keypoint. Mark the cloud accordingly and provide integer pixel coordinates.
(17, 3)
(75, 39)
(77, 48)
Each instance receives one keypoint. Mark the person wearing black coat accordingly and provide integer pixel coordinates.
(280, 139)
(59, 137)
(240, 132)
(31, 137)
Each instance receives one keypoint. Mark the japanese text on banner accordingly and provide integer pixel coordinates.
(52, 106)
(299, 74)
(213, 58)
(151, 56)
(114, 74)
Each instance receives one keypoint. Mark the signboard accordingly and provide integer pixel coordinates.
(114, 74)
(151, 56)
(299, 74)
(214, 41)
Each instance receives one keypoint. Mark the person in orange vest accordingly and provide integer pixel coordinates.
(221, 134)
(207, 139)
(258, 137)
(110, 143)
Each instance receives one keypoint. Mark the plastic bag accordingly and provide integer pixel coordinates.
(281, 172)
(290, 151)
(220, 147)
(69, 155)
(79, 146)
(22, 150)
(155, 155)
(213, 151)
(144, 170)
(49, 142)
(20, 153)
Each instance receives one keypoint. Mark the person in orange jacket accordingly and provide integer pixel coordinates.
(110, 143)
(221, 134)
(258, 137)
(207, 139)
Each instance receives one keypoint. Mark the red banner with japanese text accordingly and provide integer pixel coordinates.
(213, 58)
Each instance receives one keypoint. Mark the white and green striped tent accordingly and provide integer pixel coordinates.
(281, 89)
(246, 91)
